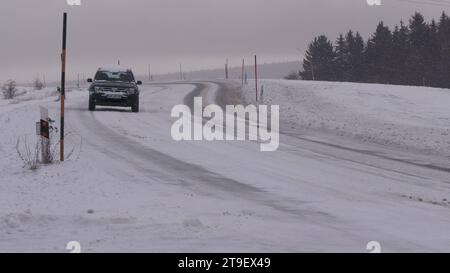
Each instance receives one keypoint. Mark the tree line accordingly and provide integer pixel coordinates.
(417, 53)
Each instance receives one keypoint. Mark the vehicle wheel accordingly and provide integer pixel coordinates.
(91, 104)
(135, 106)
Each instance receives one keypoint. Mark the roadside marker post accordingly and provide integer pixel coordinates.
(243, 68)
(256, 77)
(261, 96)
(149, 73)
(181, 72)
(226, 70)
(63, 86)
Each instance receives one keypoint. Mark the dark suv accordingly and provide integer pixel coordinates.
(114, 87)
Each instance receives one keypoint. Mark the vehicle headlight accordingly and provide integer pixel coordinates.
(131, 91)
(97, 89)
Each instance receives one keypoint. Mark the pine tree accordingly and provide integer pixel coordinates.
(421, 45)
(444, 44)
(356, 56)
(341, 61)
(318, 63)
(378, 55)
(434, 56)
(400, 53)
(417, 54)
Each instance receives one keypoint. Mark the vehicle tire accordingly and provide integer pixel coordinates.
(135, 106)
(91, 104)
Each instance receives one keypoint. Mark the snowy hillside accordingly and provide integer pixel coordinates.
(410, 118)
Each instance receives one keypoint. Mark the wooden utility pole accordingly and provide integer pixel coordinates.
(149, 73)
(256, 77)
(63, 86)
(226, 70)
(242, 74)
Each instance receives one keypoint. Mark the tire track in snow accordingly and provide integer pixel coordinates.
(164, 167)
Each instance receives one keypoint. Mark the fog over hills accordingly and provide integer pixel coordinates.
(265, 71)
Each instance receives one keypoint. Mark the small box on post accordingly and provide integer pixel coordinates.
(45, 129)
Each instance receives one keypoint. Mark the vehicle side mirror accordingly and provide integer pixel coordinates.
(139, 82)
(89, 80)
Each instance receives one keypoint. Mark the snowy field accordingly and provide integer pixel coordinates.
(410, 118)
(130, 187)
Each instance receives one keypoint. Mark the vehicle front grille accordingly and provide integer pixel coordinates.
(113, 89)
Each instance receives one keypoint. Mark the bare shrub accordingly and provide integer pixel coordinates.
(73, 150)
(293, 76)
(32, 156)
(9, 90)
(28, 153)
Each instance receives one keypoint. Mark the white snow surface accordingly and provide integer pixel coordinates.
(130, 188)
(410, 118)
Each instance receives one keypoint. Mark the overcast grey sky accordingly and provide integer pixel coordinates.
(199, 33)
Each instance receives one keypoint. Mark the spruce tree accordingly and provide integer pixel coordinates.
(444, 44)
(417, 54)
(318, 63)
(434, 56)
(356, 56)
(400, 53)
(378, 55)
(419, 58)
(341, 61)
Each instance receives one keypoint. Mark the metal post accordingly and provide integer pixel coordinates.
(149, 73)
(226, 70)
(243, 68)
(63, 85)
(261, 97)
(256, 77)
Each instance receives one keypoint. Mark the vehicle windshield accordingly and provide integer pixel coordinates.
(117, 76)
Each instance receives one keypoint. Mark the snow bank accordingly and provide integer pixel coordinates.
(28, 95)
(412, 118)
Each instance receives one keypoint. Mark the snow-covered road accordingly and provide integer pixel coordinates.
(133, 188)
